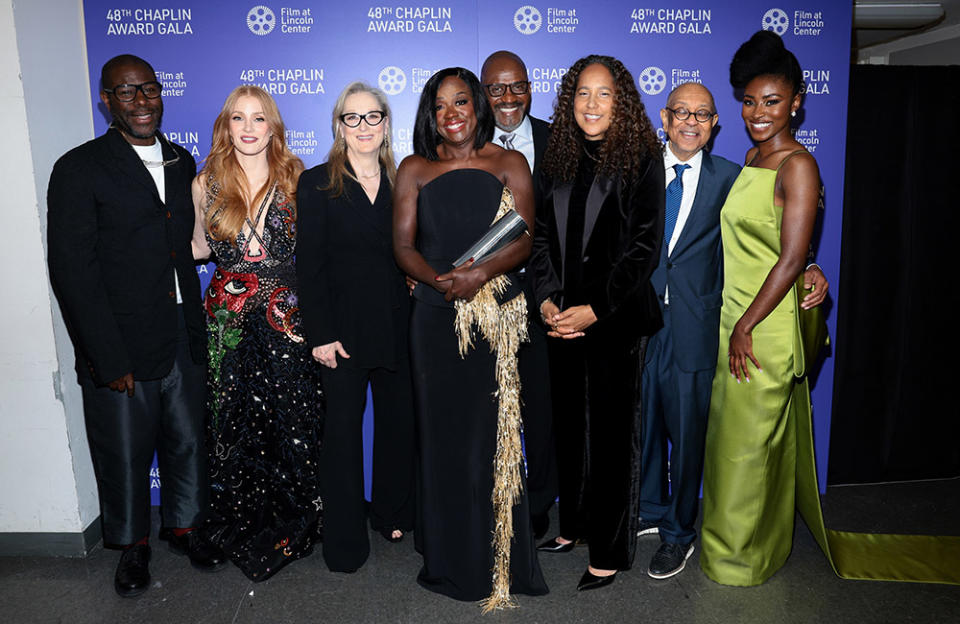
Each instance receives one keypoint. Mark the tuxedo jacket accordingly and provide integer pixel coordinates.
(623, 232)
(541, 135)
(694, 270)
(350, 287)
(112, 250)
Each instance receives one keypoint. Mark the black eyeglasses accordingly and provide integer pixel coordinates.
(127, 92)
(682, 114)
(352, 120)
(517, 88)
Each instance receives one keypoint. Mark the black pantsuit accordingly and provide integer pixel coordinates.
(352, 291)
(392, 495)
(596, 242)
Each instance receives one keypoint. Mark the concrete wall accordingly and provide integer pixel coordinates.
(48, 496)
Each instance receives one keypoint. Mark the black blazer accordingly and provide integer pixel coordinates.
(694, 271)
(541, 135)
(112, 249)
(623, 232)
(351, 289)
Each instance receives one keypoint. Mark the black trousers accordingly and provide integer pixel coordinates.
(533, 363)
(596, 423)
(165, 416)
(346, 543)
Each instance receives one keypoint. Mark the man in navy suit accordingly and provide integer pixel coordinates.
(681, 358)
(504, 79)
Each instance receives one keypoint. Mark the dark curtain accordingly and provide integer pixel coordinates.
(896, 403)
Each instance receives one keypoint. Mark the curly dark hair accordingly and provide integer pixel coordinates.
(765, 55)
(425, 135)
(629, 142)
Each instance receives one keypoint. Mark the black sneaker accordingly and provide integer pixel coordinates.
(669, 559)
(647, 528)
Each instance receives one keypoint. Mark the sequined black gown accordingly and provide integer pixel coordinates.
(266, 417)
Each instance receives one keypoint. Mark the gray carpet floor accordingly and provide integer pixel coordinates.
(79, 591)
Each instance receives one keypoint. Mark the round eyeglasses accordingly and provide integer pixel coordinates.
(682, 114)
(352, 120)
(127, 92)
(497, 89)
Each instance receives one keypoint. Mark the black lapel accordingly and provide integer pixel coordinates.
(125, 159)
(173, 184)
(561, 209)
(599, 190)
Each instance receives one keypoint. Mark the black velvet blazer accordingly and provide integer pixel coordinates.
(112, 249)
(623, 232)
(350, 287)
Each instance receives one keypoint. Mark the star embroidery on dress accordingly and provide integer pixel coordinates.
(318, 503)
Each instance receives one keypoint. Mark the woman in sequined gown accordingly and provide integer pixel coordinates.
(265, 402)
(447, 194)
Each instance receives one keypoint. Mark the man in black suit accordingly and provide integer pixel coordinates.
(681, 358)
(504, 79)
(120, 224)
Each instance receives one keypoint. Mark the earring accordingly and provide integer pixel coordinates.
(386, 140)
(793, 113)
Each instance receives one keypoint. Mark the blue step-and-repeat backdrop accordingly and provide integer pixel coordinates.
(304, 53)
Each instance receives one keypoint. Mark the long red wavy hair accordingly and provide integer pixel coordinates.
(233, 204)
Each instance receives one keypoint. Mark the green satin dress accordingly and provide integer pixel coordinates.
(750, 460)
(759, 463)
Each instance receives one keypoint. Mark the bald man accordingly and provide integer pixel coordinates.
(681, 358)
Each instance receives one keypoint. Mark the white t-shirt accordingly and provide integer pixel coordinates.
(153, 154)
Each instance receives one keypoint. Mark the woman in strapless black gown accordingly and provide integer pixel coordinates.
(466, 323)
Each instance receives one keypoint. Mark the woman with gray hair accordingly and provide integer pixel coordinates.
(355, 311)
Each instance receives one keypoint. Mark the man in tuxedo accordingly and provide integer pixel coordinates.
(505, 82)
(120, 221)
(681, 358)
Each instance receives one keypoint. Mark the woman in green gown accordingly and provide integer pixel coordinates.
(760, 387)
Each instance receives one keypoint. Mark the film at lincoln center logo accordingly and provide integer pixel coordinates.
(652, 80)
(776, 20)
(261, 20)
(527, 19)
(392, 80)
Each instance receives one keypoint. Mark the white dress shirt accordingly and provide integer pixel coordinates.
(522, 139)
(691, 177)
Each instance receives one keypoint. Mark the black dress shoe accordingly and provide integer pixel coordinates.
(591, 581)
(541, 524)
(553, 546)
(133, 571)
(203, 555)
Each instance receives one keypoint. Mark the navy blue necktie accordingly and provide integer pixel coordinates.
(674, 196)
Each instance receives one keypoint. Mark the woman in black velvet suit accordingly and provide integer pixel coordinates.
(596, 242)
(355, 311)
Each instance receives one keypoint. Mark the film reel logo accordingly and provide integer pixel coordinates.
(527, 20)
(652, 80)
(261, 20)
(776, 20)
(392, 80)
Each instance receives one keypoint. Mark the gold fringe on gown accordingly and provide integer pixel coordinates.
(504, 326)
